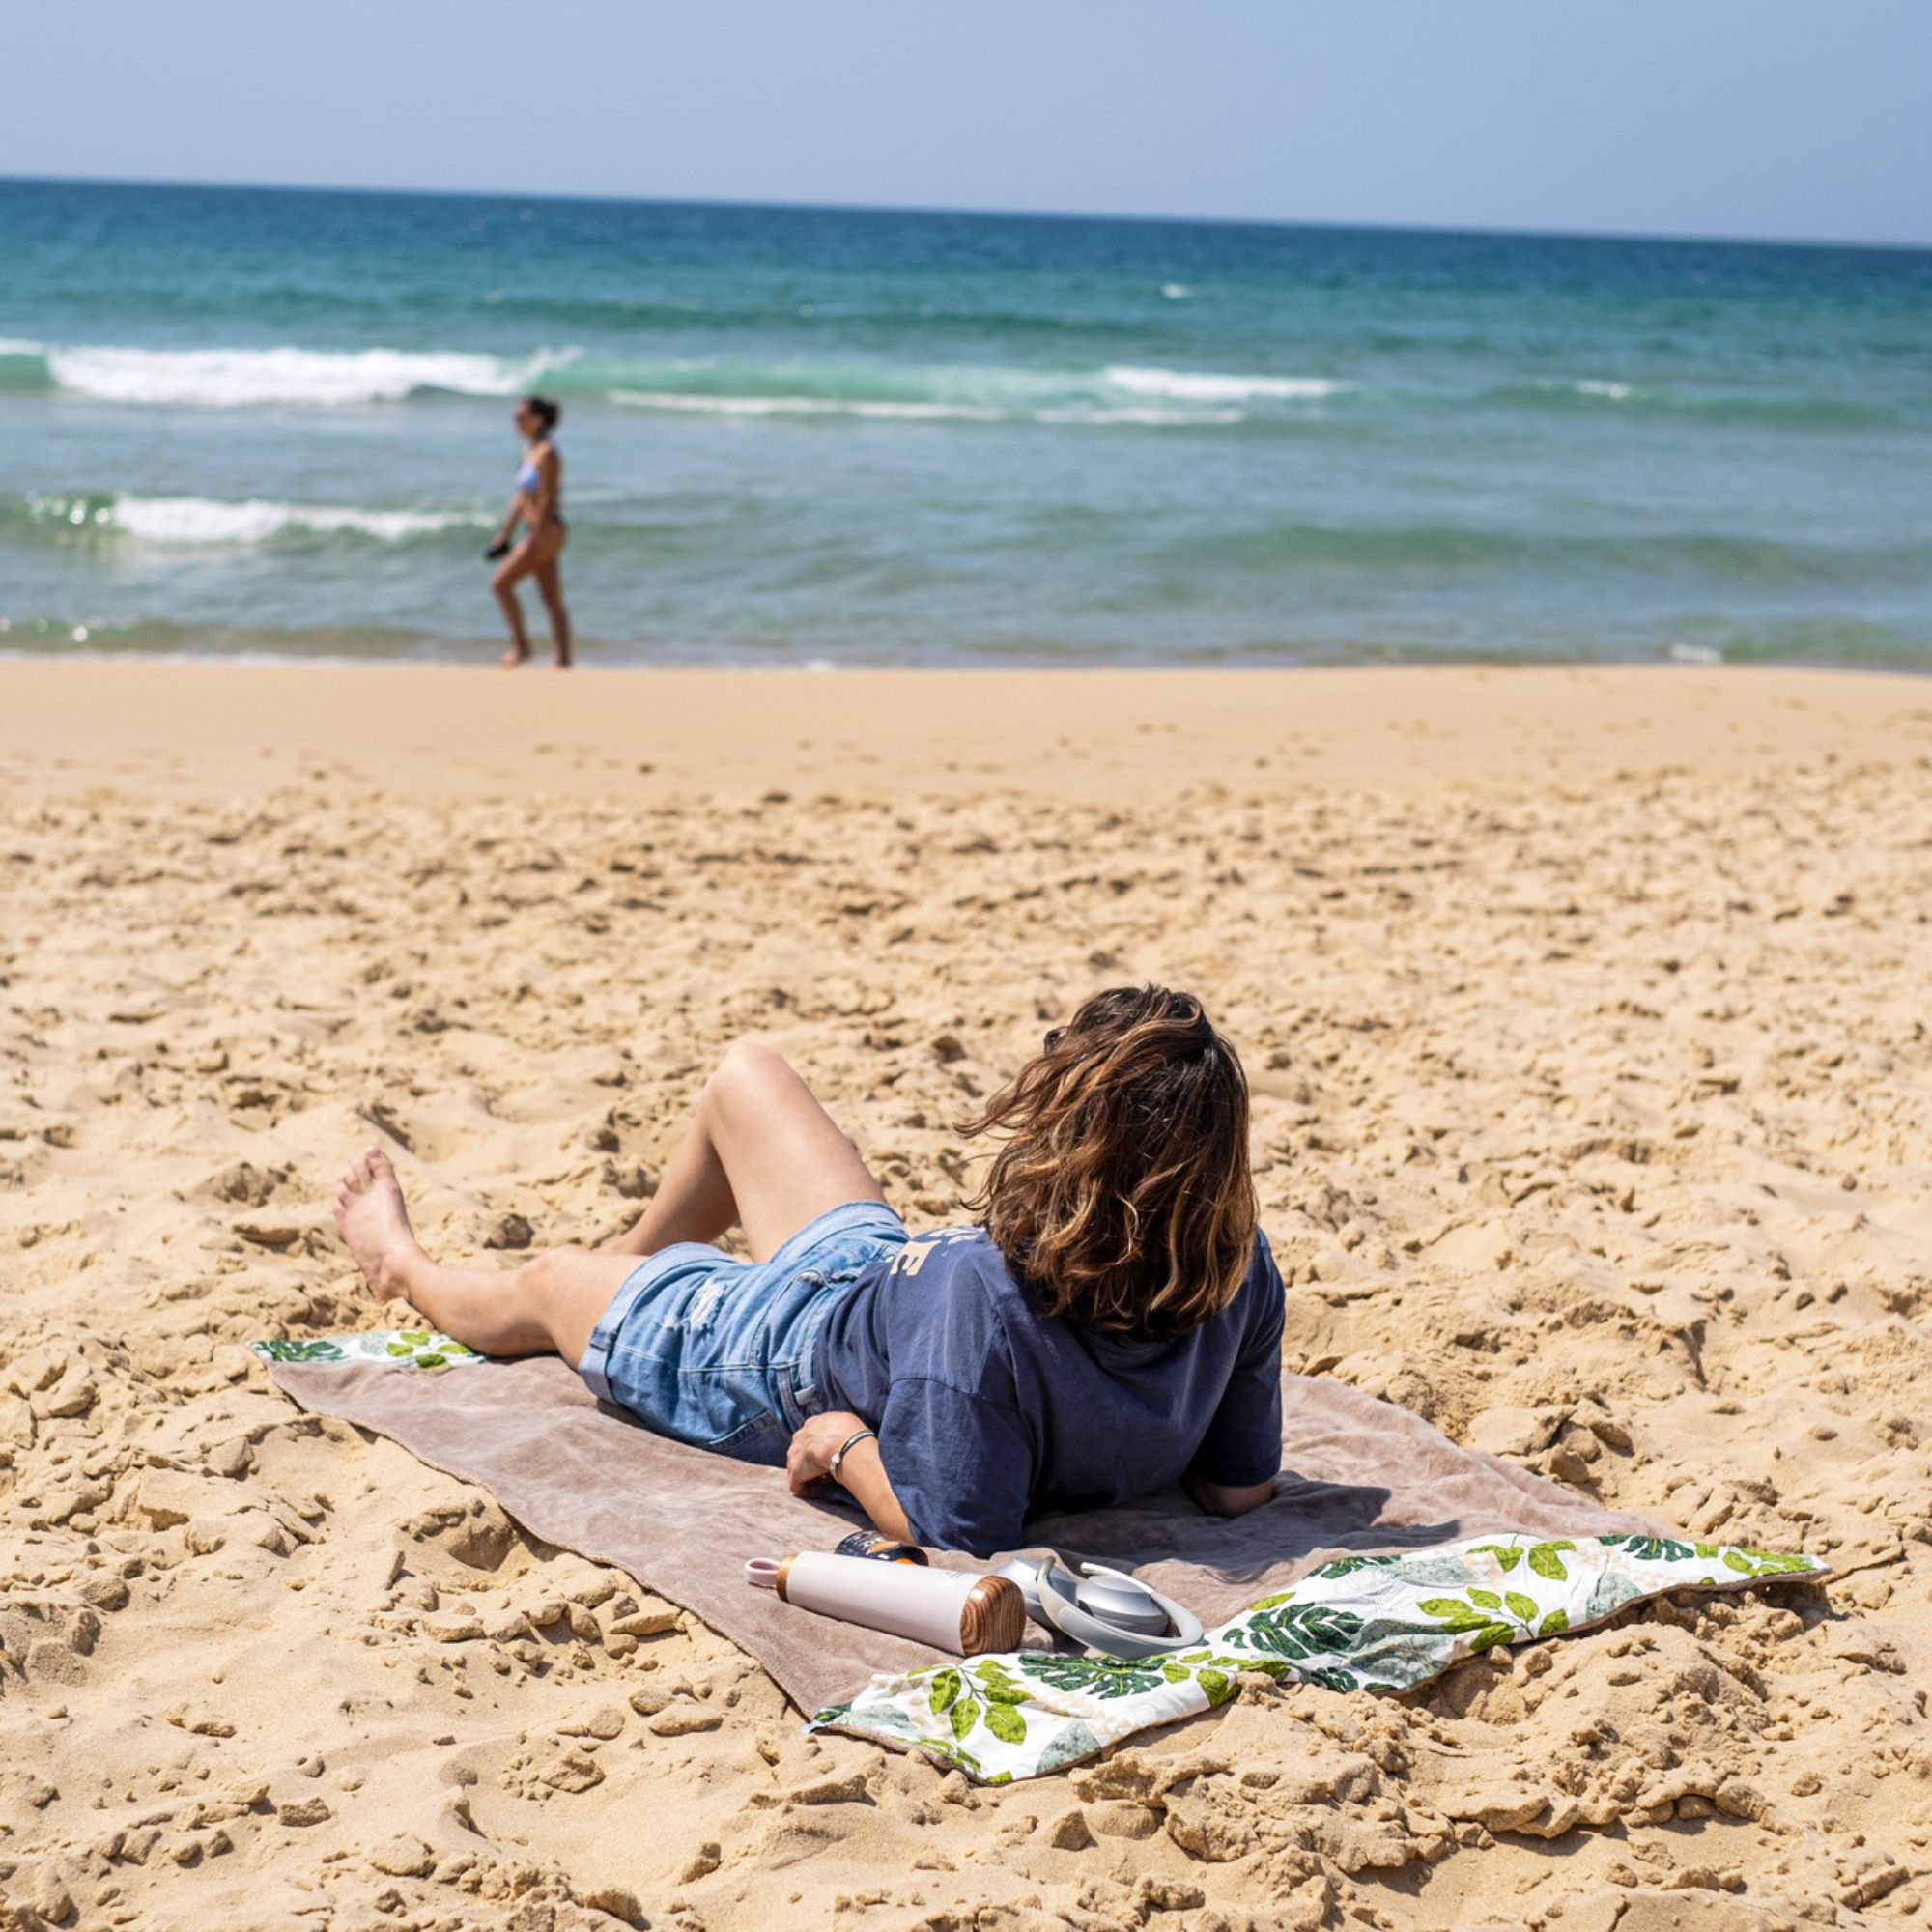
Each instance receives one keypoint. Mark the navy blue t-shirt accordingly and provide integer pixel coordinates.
(988, 1411)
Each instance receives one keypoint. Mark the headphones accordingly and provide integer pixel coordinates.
(1110, 1612)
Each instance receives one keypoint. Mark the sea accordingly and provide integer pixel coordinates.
(273, 424)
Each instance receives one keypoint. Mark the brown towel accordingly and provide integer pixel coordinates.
(1361, 1477)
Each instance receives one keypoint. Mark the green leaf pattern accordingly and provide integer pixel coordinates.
(1359, 1623)
(389, 1348)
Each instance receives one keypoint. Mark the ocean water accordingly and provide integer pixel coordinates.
(241, 421)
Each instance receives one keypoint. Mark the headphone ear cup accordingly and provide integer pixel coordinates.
(1053, 1601)
(1081, 1627)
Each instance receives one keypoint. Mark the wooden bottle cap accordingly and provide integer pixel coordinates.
(993, 1617)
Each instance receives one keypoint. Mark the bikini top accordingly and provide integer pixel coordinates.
(528, 477)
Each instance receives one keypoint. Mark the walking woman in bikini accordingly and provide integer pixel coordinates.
(1111, 1322)
(537, 505)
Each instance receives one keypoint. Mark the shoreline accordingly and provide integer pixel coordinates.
(1087, 732)
(482, 660)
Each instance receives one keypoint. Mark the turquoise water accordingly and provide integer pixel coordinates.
(260, 421)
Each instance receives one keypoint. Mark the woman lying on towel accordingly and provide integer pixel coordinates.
(1111, 1320)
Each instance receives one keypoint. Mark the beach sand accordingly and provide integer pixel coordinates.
(1586, 1017)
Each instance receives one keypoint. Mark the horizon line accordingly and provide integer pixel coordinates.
(1685, 239)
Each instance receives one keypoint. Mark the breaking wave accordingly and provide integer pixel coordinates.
(242, 378)
(204, 520)
(239, 378)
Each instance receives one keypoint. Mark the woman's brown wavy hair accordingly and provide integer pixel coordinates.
(1121, 1193)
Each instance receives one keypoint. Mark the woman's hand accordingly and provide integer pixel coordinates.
(862, 1474)
(808, 1460)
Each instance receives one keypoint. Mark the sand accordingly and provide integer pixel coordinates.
(1586, 1017)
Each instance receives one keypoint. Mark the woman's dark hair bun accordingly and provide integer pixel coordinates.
(549, 412)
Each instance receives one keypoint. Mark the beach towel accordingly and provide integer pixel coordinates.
(1388, 1554)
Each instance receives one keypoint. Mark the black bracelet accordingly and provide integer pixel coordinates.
(851, 1441)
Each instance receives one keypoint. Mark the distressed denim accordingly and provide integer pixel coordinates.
(721, 1352)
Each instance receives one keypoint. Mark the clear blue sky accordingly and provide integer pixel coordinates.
(1774, 118)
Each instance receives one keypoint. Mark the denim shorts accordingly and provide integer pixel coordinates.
(721, 1354)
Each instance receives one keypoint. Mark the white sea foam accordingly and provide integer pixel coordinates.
(236, 378)
(919, 411)
(718, 406)
(12, 346)
(1588, 385)
(1695, 654)
(805, 406)
(205, 519)
(1201, 385)
(1141, 417)
(1175, 290)
(1081, 415)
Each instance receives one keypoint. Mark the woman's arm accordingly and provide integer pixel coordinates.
(809, 1465)
(506, 528)
(1222, 1499)
(543, 499)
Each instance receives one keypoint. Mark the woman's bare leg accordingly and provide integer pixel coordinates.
(550, 582)
(504, 580)
(549, 1303)
(762, 1152)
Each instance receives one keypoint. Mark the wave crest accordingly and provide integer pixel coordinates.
(694, 404)
(1069, 415)
(1201, 386)
(313, 377)
(236, 378)
(207, 520)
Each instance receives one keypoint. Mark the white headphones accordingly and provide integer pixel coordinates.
(1111, 1611)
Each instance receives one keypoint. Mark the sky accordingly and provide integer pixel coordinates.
(1775, 119)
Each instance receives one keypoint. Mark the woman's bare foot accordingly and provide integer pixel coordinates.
(375, 1225)
(514, 657)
